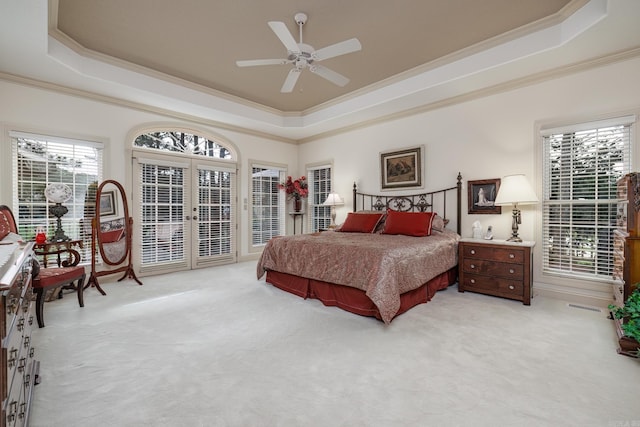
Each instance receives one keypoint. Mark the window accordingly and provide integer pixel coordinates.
(182, 142)
(41, 160)
(319, 179)
(267, 204)
(581, 166)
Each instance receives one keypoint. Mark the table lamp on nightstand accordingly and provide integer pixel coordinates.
(515, 190)
(333, 200)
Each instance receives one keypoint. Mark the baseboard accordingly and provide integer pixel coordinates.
(587, 297)
(249, 257)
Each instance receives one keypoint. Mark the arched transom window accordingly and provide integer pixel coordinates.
(183, 142)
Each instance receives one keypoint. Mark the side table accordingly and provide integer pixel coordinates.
(295, 216)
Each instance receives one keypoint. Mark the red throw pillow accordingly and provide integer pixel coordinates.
(416, 224)
(361, 223)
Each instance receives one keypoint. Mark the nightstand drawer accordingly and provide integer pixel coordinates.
(496, 267)
(492, 268)
(501, 287)
(514, 255)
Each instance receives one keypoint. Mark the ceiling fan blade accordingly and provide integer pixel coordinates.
(347, 46)
(332, 76)
(255, 62)
(291, 80)
(284, 35)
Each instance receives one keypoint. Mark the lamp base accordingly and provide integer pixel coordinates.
(58, 211)
(514, 225)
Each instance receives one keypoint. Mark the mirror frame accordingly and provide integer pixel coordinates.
(96, 232)
(125, 215)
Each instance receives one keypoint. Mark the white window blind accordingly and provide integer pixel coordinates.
(320, 185)
(162, 211)
(267, 204)
(581, 167)
(39, 160)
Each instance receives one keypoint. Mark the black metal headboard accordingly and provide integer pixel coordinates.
(422, 202)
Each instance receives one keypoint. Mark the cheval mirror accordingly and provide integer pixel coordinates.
(111, 231)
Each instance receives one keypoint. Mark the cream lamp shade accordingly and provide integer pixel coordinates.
(333, 200)
(515, 190)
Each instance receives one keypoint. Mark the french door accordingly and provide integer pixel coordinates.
(184, 213)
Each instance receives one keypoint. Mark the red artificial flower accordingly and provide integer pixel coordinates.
(298, 189)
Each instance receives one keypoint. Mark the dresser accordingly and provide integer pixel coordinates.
(496, 267)
(626, 249)
(19, 370)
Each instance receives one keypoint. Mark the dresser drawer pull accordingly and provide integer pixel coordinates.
(473, 251)
(511, 271)
(13, 355)
(472, 266)
(23, 410)
(472, 281)
(512, 287)
(27, 341)
(11, 414)
(21, 364)
(512, 256)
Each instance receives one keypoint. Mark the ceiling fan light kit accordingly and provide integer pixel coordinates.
(302, 55)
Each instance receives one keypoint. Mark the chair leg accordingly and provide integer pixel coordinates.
(40, 306)
(80, 287)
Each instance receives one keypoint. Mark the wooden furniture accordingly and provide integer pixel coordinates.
(295, 216)
(113, 245)
(626, 251)
(496, 267)
(47, 278)
(20, 369)
(58, 249)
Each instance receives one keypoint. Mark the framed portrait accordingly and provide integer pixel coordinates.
(401, 168)
(108, 203)
(482, 196)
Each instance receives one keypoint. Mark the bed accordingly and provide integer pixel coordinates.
(379, 268)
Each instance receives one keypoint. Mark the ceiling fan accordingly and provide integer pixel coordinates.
(303, 56)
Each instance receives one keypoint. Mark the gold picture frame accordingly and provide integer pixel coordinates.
(401, 168)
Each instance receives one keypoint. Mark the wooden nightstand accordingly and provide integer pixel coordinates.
(496, 267)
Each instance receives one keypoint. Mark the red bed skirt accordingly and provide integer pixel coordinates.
(355, 300)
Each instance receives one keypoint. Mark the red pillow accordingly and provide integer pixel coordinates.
(361, 223)
(416, 224)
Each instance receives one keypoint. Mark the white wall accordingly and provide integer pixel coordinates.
(36, 110)
(488, 138)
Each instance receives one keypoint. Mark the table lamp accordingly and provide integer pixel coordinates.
(515, 190)
(58, 193)
(333, 200)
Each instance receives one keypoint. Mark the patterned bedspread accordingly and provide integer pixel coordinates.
(384, 266)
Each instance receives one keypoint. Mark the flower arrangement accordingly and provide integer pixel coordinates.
(296, 189)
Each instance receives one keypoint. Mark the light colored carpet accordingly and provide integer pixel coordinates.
(216, 347)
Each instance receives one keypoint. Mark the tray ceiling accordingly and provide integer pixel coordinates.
(199, 41)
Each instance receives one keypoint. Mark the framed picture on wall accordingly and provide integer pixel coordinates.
(482, 195)
(401, 168)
